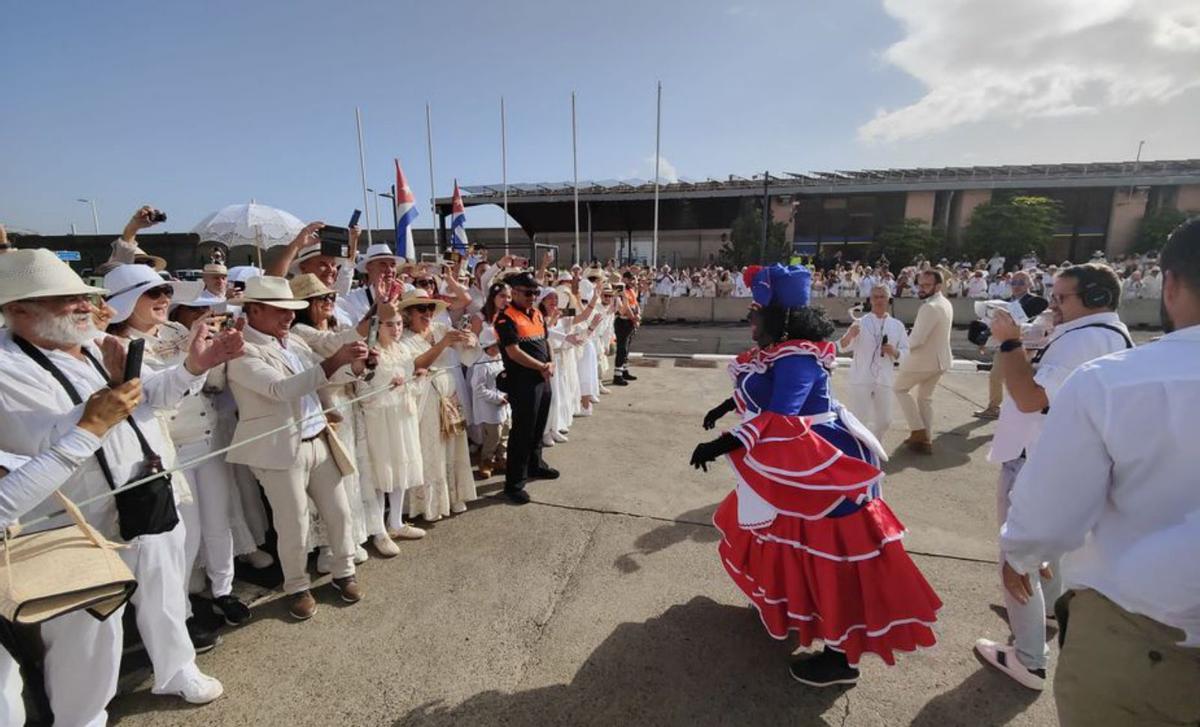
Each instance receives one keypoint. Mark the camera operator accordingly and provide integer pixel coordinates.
(1084, 305)
(275, 384)
(305, 255)
(1031, 307)
(125, 248)
(52, 363)
(877, 340)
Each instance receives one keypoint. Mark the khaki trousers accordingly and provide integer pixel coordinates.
(1121, 669)
(495, 438)
(918, 412)
(313, 475)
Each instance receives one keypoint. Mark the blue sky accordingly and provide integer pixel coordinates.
(192, 106)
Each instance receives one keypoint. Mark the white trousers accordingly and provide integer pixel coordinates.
(214, 491)
(83, 660)
(872, 404)
(12, 708)
(589, 370)
(159, 564)
(313, 475)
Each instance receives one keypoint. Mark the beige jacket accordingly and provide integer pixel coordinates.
(268, 394)
(929, 342)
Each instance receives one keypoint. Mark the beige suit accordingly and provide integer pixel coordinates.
(291, 469)
(929, 356)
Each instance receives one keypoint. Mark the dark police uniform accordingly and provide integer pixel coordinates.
(528, 393)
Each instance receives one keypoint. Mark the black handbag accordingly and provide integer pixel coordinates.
(147, 509)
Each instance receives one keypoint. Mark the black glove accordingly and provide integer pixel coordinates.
(718, 411)
(706, 452)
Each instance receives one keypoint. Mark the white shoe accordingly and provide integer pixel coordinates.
(324, 561)
(384, 546)
(547, 441)
(195, 688)
(1004, 659)
(407, 532)
(360, 555)
(258, 559)
(605, 390)
(458, 508)
(585, 412)
(559, 437)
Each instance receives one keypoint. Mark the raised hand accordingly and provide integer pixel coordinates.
(107, 408)
(308, 236)
(112, 353)
(207, 350)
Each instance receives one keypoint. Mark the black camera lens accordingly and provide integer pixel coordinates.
(158, 216)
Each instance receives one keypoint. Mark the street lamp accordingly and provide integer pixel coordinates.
(95, 217)
(388, 196)
(376, 208)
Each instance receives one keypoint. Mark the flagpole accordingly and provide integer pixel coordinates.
(504, 169)
(362, 168)
(657, 157)
(432, 186)
(575, 166)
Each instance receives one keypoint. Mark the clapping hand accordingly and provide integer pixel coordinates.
(112, 352)
(207, 350)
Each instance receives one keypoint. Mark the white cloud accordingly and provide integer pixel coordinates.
(666, 170)
(1013, 61)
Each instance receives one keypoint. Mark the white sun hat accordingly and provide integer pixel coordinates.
(39, 274)
(378, 251)
(273, 291)
(127, 282)
(242, 273)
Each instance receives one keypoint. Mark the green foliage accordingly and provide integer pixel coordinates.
(1011, 227)
(904, 241)
(745, 240)
(1156, 226)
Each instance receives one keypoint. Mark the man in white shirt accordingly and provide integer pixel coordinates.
(999, 288)
(1111, 489)
(51, 334)
(1084, 305)
(995, 265)
(1152, 283)
(877, 340)
(866, 283)
(664, 284)
(977, 285)
(380, 265)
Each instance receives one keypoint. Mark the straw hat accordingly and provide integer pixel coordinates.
(564, 276)
(273, 291)
(215, 269)
(308, 286)
(127, 282)
(38, 274)
(418, 296)
(308, 253)
(378, 251)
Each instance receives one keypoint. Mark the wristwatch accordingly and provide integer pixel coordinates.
(1010, 345)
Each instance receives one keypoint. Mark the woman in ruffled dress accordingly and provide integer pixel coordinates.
(448, 484)
(805, 534)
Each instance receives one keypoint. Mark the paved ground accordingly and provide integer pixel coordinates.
(604, 604)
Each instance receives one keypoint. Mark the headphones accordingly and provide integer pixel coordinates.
(1094, 295)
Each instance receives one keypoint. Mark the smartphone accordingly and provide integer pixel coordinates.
(335, 241)
(354, 218)
(373, 332)
(133, 359)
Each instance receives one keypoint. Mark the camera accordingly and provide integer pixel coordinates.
(157, 216)
(980, 329)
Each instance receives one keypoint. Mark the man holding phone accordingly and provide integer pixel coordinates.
(325, 252)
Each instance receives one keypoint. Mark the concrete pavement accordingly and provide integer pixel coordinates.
(603, 602)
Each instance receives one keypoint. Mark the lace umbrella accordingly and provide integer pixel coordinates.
(253, 224)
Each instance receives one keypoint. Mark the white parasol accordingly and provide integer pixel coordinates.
(250, 224)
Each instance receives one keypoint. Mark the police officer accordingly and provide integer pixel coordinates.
(527, 371)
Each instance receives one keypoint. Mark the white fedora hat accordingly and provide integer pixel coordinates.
(309, 253)
(419, 296)
(242, 273)
(201, 299)
(273, 291)
(38, 274)
(127, 282)
(378, 251)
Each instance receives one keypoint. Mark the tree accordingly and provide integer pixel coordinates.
(903, 241)
(1156, 226)
(745, 240)
(1012, 227)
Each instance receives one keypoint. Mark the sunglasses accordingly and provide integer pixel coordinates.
(162, 291)
(423, 307)
(424, 283)
(525, 291)
(326, 298)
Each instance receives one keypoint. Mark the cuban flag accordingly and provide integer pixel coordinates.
(406, 213)
(458, 223)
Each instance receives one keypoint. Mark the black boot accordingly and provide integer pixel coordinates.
(826, 669)
(619, 380)
(628, 376)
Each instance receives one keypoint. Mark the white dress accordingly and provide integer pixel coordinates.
(389, 433)
(446, 462)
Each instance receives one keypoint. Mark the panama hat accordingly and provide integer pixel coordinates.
(308, 286)
(309, 253)
(242, 273)
(215, 269)
(39, 274)
(273, 291)
(418, 296)
(127, 282)
(378, 251)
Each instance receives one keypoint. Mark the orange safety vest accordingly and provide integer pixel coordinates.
(528, 327)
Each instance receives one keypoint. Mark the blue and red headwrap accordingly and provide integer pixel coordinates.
(779, 285)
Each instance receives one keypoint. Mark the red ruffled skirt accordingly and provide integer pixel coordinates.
(847, 580)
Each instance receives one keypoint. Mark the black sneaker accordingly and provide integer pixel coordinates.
(203, 640)
(628, 376)
(543, 472)
(619, 381)
(824, 670)
(235, 612)
(517, 497)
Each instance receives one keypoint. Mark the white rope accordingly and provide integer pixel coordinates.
(203, 458)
